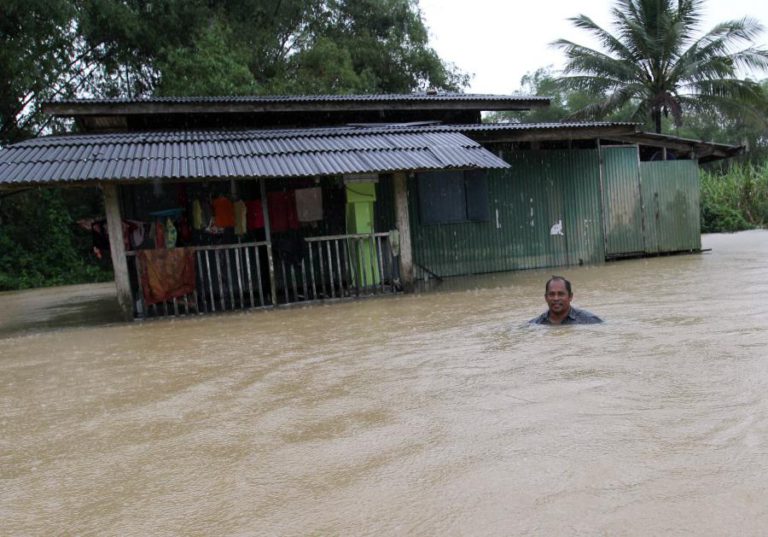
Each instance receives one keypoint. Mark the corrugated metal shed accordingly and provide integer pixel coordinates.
(193, 155)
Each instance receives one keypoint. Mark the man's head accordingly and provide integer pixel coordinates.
(558, 295)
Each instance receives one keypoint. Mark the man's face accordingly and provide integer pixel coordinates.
(557, 297)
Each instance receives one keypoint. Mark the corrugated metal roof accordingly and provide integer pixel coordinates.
(97, 110)
(564, 125)
(267, 99)
(238, 154)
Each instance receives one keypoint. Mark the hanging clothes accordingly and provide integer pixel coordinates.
(170, 233)
(197, 215)
(166, 274)
(309, 204)
(134, 230)
(254, 214)
(240, 217)
(159, 235)
(282, 211)
(224, 212)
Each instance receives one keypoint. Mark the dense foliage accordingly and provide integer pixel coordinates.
(734, 199)
(657, 62)
(40, 242)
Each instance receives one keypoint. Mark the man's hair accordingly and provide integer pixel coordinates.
(560, 278)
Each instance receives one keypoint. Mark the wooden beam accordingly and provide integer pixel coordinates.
(332, 105)
(117, 249)
(268, 238)
(547, 135)
(403, 223)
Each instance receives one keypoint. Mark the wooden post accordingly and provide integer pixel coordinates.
(117, 249)
(268, 238)
(403, 223)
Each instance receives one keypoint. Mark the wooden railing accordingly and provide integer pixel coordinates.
(250, 275)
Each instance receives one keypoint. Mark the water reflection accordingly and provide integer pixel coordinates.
(441, 413)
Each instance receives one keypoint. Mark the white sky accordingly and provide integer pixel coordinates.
(498, 41)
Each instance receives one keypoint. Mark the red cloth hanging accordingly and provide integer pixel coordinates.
(254, 214)
(224, 212)
(282, 211)
(166, 274)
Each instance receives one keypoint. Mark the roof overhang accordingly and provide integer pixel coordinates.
(299, 103)
(699, 149)
(241, 154)
(541, 132)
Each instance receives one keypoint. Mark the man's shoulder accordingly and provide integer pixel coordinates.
(584, 317)
(541, 319)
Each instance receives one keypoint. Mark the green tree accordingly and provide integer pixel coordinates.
(655, 62)
(38, 60)
(214, 64)
(564, 101)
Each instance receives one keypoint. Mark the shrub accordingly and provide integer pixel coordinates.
(734, 199)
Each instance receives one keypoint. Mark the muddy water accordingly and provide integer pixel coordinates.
(433, 414)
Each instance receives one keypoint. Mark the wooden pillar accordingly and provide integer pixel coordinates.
(117, 249)
(403, 222)
(268, 238)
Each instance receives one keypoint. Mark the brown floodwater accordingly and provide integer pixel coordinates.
(440, 413)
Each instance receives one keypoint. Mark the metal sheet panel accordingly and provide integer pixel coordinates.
(622, 201)
(241, 154)
(544, 211)
(671, 192)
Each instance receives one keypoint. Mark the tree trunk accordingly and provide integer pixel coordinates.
(657, 120)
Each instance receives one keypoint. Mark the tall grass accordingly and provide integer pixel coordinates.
(734, 199)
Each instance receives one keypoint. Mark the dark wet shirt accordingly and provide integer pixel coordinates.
(575, 316)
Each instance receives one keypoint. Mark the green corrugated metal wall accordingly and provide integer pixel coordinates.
(671, 198)
(622, 203)
(541, 189)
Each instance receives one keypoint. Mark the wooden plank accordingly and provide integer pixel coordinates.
(403, 223)
(257, 260)
(117, 249)
(268, 237)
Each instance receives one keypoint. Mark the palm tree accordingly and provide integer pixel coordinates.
(655, 63)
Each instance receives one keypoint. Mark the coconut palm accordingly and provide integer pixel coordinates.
(655, 63)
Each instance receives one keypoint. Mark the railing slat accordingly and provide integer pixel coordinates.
(222, 299)
(210, 280)
(285, 282)
(338, 265)
(293, 282)
(257, 259)
(312, 271)
(202, 281)
(304, 279)
(249, 274)
(238, 267)
(330, 268)
(322, 272)
(230, 279)
(377, 244)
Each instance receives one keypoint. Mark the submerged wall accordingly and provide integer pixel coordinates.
(559, 207)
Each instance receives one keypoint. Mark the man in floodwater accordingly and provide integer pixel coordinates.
(558, 294)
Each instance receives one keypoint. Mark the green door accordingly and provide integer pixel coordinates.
(622, 201)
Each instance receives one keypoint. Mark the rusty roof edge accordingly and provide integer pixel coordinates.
(260, 104)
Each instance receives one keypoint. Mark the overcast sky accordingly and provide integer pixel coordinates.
(498, 41)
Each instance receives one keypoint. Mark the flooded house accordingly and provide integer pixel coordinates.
(219, 204)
